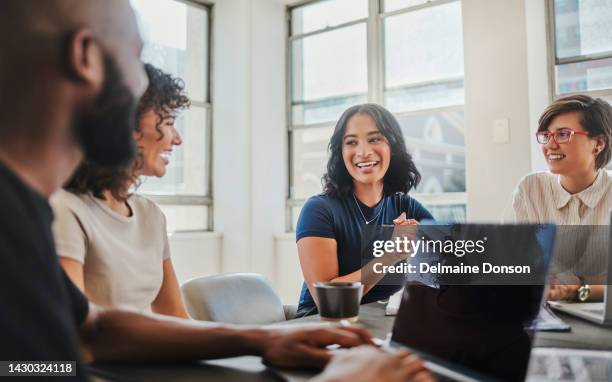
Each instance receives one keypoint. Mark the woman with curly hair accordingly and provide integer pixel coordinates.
(113, 244)
(367, 168)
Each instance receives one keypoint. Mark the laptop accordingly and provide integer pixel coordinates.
(597, 312)
(477, 332)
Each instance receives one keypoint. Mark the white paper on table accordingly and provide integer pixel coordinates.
(565, 365)
(394, 303)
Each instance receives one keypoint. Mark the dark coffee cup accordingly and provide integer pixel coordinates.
(339, 300)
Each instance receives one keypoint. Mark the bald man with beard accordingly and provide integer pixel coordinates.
(70, 79)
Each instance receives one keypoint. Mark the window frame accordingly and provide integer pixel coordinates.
(207, 199)
(376, 90)
(553, 61)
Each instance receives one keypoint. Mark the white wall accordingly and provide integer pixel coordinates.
(537, 69)
(231, 99)
(268, 160)
(289, 274)
(496, 87)
(195, 254)
(249, 145)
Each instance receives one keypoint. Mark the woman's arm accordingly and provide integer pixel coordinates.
(319, 262)
(169, 300)
(74, 270)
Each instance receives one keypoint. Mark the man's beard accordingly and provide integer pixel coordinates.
(105, 130)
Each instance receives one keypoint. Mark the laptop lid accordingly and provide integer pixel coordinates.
(478, 327)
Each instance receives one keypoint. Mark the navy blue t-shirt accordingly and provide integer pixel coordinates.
(340, 219)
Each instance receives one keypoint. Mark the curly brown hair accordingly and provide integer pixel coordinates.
(165, 94)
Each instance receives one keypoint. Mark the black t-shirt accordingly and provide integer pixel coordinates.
(40, 309)
(342, 219)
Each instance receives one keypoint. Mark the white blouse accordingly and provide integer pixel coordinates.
(540, 198)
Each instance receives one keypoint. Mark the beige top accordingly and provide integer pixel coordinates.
(540, 198)
(122, 256)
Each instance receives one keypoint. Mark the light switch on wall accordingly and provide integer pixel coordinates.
(501, 131)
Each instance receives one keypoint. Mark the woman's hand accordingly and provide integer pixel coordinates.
(401, 220)
(404, 229)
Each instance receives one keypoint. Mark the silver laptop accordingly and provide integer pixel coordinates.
(598, 312)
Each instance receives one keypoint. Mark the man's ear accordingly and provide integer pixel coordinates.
(86, 59)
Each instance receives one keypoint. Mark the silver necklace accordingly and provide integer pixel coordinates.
(361, 212)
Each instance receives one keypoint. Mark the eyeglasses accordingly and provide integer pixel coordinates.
(560, 136)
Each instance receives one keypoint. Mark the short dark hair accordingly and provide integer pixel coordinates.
(402, 174)
(595, 118)
(164, 94)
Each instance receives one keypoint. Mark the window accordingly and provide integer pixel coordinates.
(404, 54)
(423, 87)
(581, 47)
(177, 40)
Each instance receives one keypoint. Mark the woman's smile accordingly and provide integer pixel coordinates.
(367, 167)
(365, 150)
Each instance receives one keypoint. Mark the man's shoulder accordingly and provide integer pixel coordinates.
(15, 203)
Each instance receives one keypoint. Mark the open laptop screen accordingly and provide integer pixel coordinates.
(484, 328)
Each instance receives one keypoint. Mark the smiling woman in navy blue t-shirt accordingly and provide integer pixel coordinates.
(368, 165)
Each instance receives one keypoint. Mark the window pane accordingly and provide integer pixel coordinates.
(330, 64)
(324, 111)
(584, 76)
(453, 213)
(393, 5)
(187, 172)
(424, 45)
(328, 13)
(176, 41)
(437, 143)
(430, 96)
(582, 27)
(309, 160)
(424, 58)
(295, 214)
(186, 218)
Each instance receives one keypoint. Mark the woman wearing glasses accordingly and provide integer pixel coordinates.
(575, 133)
(368, 165)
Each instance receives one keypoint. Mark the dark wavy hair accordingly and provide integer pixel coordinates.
(165, 94)
(402, 174)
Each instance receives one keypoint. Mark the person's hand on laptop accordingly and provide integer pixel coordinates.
(307, 347)
(367, 364)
